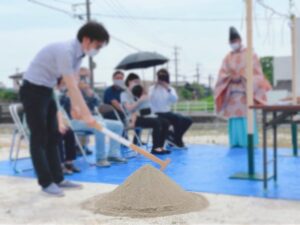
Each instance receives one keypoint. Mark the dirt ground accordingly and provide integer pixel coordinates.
(23, 203)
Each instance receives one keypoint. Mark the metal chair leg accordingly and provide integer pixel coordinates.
(17, 155)
(12, 146)
(82, 151)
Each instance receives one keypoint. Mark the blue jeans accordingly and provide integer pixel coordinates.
(114, 146)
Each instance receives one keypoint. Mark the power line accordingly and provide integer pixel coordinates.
(57, 9)
(80, 17)
(172, 19)
(125, 16)
(126, 43)
(261, 3)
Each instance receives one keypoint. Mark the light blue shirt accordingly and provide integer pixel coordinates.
(53, 61)
(127, 97)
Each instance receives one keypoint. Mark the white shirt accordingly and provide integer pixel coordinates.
(53, 61)
(161, 98)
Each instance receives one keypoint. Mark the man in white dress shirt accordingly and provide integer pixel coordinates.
(162, 96)
(53, 62)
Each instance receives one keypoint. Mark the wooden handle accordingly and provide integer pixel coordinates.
(163, 164)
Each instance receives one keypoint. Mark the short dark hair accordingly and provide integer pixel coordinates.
(162, 71)
(94, 31)
(131, 77)
(117, 72)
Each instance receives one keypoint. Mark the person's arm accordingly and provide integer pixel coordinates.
(172, 95)
(173, 98)
(109, 98)
(133, 106)
(61, 123)
(77, 101)
(116, 104)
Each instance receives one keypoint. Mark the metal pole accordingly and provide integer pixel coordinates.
(294, 59)
(198, 74)
(249, 70)
(154, 74)
(294, 80)
(176, 65)
(91, 63)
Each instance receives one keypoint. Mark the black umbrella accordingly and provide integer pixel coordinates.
(141, 60)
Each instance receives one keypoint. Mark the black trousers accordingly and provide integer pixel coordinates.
(159, 127)
(40, 113)
(180, 123)
(112, 116)
(67, 146)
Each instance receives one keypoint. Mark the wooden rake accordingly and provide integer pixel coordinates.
(112, 135)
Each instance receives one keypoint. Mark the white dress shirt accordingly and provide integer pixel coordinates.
(162, 98)
(53, 61)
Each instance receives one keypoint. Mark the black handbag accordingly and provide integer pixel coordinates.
(145, 112)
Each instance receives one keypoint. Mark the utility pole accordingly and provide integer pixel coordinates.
(91, 62)
(176, 65)
(294, 46)
(198, 73)
(294, 54)
(210, 81)
(250, 117)
(249, 69)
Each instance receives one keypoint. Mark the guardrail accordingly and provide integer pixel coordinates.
(193, 107)
(5, 116)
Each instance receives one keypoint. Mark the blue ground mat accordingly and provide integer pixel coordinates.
(201, 168)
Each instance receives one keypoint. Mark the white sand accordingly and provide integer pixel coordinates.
(23, 203)
(147, 192)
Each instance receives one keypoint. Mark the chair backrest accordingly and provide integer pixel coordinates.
(106, 108)
(18, 116)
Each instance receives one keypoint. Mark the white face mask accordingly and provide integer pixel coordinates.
(92, 52)
(119, 83)
(235, 46)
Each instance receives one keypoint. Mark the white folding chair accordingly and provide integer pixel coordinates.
(76, 134)
(149, 130)
(106, 108)
(20, 133)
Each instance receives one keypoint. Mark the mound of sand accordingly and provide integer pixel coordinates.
(146, 193)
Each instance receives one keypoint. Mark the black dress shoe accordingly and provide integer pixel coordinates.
(155, 152)
(73, 168)
(166, 151)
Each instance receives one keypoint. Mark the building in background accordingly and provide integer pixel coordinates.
(17, 80)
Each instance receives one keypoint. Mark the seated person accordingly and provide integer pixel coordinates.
(162, 96)
(136, 104)
(102, 158)
(112, 96)
(67, 145)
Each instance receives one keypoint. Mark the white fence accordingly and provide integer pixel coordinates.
(194, 106)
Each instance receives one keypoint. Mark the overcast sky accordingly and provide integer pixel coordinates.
(201, 34)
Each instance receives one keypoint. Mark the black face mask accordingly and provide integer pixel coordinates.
(164, 78)
(137, 91)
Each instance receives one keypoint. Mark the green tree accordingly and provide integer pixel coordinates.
(8, 95)
(268, 67)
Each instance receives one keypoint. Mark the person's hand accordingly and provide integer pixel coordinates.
(89, 92)
(90, 121)
(62, 128)
(164, 84)
(143, 98)
(76, 113)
